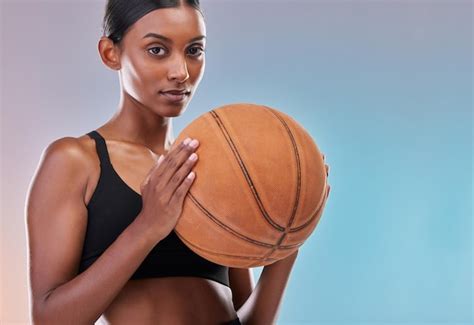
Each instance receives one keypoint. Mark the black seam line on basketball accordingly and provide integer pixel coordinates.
(290, 246)
(321, 206)
(245, 172)
(296, 229)
(277, 246)
(222, 254)
(298, 184)
(224, 226)
(298, 168)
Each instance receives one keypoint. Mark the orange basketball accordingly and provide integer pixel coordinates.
(259, 190)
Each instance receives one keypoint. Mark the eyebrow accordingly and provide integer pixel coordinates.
(164, 38)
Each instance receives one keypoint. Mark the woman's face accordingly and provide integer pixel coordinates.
(150, 64)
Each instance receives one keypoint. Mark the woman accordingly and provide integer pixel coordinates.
(101, 208)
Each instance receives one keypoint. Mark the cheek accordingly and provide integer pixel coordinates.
(197, 72)
(139, 80)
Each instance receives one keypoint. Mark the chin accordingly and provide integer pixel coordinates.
(170, 110)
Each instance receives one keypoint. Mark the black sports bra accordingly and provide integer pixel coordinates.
(113, 206)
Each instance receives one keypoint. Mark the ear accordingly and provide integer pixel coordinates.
(109, 53)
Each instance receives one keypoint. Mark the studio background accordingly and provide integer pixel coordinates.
(384, 88)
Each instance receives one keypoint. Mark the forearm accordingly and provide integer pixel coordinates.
(262, 307)
(83, 299)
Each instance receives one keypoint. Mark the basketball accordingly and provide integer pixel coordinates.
(260, 186)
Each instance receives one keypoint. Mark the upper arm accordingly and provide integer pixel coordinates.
(241, 284)
(56, 217)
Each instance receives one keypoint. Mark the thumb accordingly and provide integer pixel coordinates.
(160, 159)
(150, 172)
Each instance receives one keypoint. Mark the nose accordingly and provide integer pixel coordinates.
(178, 70)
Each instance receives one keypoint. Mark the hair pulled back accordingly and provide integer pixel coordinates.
(121, 14)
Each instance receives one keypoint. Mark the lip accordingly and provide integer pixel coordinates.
(174, 98)
(176, 91)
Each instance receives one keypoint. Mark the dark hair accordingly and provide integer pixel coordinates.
(121, 14)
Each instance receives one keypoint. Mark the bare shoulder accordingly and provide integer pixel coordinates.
(69, 148)
(56, 213)
(74, 150)
(61, 175)
(68, 155)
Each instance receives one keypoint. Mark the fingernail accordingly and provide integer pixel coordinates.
(194, 143)
(187, 140)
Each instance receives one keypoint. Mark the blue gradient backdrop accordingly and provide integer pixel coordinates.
(385, 89)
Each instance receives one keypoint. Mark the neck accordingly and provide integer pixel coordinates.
(135, 123)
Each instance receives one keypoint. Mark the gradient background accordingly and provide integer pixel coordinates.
(384, 87)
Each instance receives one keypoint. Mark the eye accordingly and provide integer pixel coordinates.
(199, 52)
(155, 50)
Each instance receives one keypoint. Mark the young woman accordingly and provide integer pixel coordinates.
(102, 207)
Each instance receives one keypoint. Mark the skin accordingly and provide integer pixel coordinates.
(138, 133)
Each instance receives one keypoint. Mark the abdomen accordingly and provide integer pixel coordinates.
(171, 300)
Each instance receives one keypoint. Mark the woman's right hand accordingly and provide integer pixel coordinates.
(165, 187)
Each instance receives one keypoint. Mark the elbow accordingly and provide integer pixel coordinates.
(38, 310)
(38, 313)
(42, 314)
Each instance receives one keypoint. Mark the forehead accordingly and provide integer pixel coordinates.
(179, 24)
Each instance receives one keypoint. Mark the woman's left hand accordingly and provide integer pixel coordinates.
(327, 174)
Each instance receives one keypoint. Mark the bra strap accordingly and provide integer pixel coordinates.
(100, 147)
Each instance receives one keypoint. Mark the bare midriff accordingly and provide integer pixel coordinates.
(171, 300)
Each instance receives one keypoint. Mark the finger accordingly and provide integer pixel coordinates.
(182, 190)
(151, 171)
(157, 164)
(180, 175)
(166, 165)
(160, 159)
(174, 163)
(320, 211)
